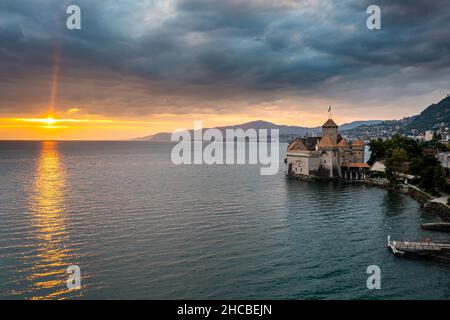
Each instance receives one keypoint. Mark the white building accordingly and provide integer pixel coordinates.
(378, 166)
(428, 135)
(444, 158)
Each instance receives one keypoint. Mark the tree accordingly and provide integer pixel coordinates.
(435, 143)
(397, 162)
(437, 136)
(431, 174)
(377, 150)
(405, 155)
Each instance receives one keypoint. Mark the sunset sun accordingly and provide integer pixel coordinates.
(50, 121)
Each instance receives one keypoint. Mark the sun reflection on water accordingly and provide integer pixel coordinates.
(48, 276)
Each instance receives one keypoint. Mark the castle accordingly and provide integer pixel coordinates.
(330, 156)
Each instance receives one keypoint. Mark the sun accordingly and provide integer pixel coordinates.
(49, 121)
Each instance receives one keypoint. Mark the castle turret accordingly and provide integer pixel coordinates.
(330, 128)
(344, 151)
(358, 150)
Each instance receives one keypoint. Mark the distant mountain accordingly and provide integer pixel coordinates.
(355, 124)
(285, 131)
(257, 125)
(162, 136)
(432, 116)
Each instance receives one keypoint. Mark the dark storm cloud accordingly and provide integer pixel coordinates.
(165, 56)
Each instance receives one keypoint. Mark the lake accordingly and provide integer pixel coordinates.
(140, 227)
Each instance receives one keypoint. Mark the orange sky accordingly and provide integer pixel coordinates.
(73, 125)
(79, 128)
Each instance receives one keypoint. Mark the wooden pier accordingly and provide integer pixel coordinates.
(440, 226)
(420, 248)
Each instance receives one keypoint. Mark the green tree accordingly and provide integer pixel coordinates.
(397, 162)
(377, 150)
(405, 155)
(431, 174)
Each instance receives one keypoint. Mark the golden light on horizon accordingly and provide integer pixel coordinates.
(50, 121)
(69, 126)
(83, 127)
(46, 123)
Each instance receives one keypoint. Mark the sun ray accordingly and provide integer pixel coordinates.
(55, 79)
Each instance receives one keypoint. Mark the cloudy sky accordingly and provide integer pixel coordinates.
(140, 66)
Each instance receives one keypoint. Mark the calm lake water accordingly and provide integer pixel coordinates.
(142, 228)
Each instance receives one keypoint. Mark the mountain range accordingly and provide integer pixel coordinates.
(284, 130)
(432, 116)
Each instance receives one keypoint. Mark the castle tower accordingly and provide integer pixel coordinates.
(358, 150)
(330, 128)
(345, 151)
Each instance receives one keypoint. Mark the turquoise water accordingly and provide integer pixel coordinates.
(142, 228)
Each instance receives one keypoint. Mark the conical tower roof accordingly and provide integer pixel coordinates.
(358, 143)
(297, 144)
(343, 143)
(329, 123)
(325, 142)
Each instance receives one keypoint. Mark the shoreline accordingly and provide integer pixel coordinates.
(424, 199)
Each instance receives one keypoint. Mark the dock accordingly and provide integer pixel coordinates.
(420, 248)
(440, 226)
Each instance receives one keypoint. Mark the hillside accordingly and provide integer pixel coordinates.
(433, 116)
